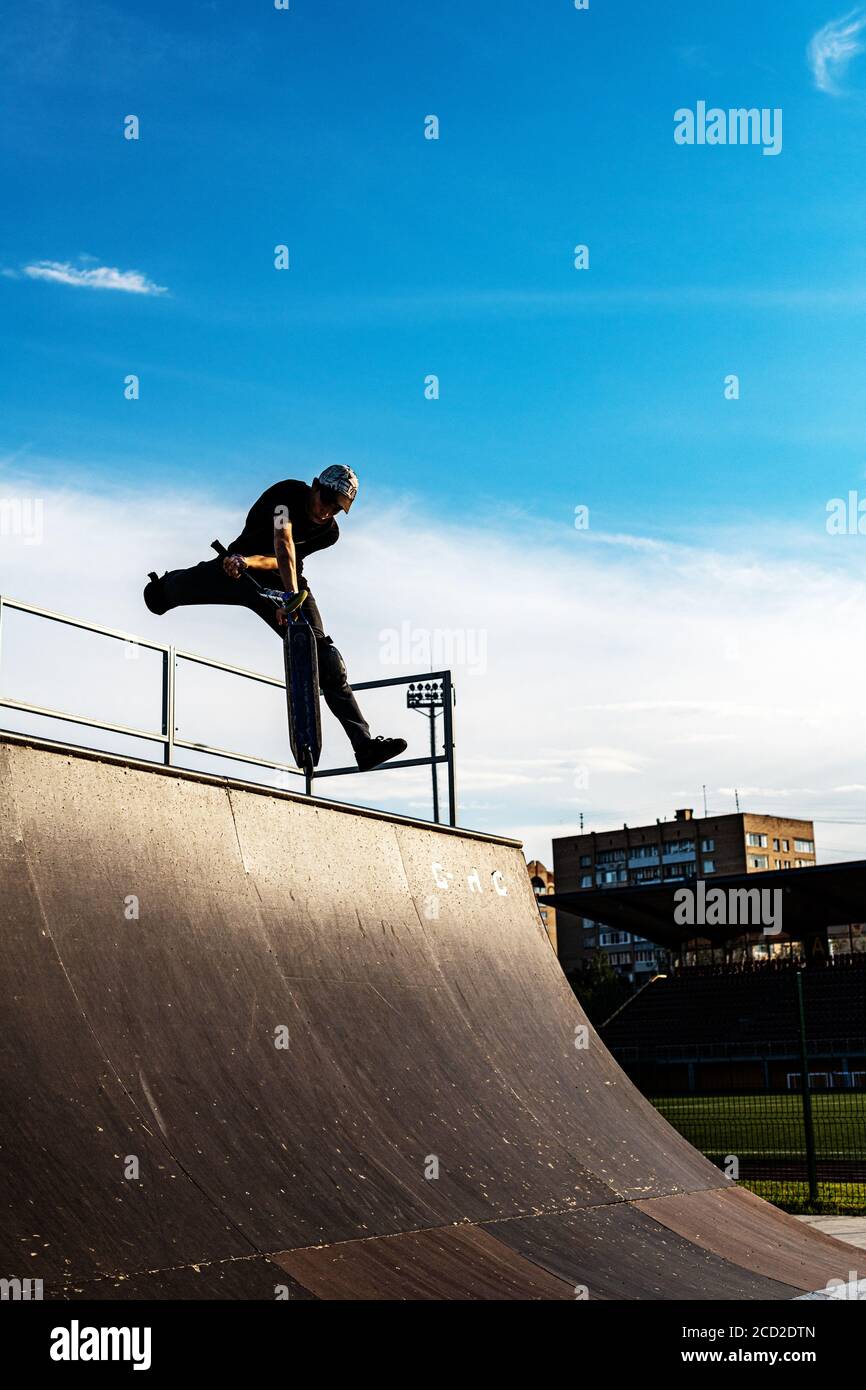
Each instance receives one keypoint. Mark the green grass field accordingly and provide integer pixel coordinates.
(834, 1198)
(766, 1129)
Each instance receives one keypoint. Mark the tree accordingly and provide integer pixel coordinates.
(598, 987)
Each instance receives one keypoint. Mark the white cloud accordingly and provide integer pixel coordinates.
(732, 664)
(832, 48)
(101, 277)
(460, 304)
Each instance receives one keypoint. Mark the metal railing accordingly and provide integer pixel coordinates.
(166, 736)
(627, 1053)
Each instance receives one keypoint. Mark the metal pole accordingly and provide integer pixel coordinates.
(448, 707)
(808, 1126)
(169, 669)
(433, 763)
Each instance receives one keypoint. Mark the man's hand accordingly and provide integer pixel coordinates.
(234, 566)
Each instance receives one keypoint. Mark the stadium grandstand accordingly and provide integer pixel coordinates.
(722, 1038)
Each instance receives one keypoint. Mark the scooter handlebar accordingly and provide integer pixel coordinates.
(272, 595)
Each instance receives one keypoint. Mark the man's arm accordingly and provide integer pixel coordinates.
(234, 564)
(286, 560)
(261, 562)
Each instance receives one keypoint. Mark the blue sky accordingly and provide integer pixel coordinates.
(452, 257)
(412, 256)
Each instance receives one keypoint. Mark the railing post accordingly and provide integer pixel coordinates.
(433, 768)
(448, 710)
(169, 669)
(808, 1124)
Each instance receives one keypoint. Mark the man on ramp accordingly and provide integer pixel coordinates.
(289, 522)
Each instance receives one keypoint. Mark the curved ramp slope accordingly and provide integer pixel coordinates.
(255, 1046)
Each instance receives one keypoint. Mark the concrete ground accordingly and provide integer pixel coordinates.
(851, 1229)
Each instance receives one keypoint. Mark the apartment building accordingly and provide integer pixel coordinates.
(543, 882)
(685, 847)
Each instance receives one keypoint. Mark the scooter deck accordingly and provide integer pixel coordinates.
(302, 688)
(302, 674)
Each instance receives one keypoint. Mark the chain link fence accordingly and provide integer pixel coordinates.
(784, 1115)
(763, 1141)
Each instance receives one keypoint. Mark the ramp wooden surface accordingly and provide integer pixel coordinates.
(257, 1046)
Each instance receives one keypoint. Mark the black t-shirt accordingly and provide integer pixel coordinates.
(257, 537)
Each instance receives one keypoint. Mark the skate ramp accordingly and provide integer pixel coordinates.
(256, 1046)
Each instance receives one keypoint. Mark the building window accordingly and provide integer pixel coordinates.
(708, 846)
(684, 870)
(785, 847)
(586, 881)
(804, 846)
(585, 861)
(776, 846)
(758, 861)
(709, 866)
(646, 875)
(756, 841)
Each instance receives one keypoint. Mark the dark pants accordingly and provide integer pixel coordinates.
(209, 583)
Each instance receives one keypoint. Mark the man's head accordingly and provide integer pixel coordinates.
(334, 490)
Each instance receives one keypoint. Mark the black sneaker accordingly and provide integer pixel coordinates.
(379, 750)
(154, 595)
